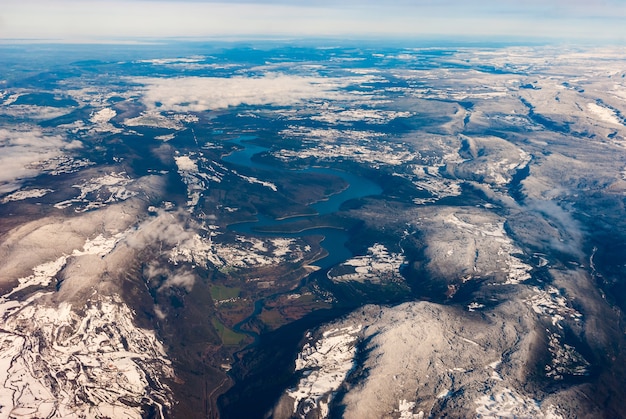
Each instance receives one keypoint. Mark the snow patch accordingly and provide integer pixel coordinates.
(158, 120)
(57, 363)
(551, 304)
(604, 114)
(405, 408)
(325, 365)
(377, 267)
(369, 116)
(102, 116)
(41, 277)
(99, 245)
(245, 252)
(479, 244)
(25, 194)
(100, 191)
(251, 179)
(508, 403)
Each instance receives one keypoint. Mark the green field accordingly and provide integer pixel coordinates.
(220, 292)
(228, 336)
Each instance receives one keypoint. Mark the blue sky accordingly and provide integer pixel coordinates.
(84, 20)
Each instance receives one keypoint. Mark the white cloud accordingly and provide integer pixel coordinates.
(23, 151)
(164, 229)
(205, 93)
(184, 280)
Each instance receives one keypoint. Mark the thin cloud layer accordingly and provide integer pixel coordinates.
(209, 93)
(23, 155)
(184, 280)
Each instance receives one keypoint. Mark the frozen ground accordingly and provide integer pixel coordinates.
(466, 244)
(244, 252)
(424, 359)
(378, 266)
(324, 363)
(82, 356)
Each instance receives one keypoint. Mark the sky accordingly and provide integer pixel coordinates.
(84, 20)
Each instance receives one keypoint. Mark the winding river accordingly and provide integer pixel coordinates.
(334, 239)
(255, 392)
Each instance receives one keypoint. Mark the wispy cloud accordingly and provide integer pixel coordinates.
(184, 280)
(23, 153)
(165, 230)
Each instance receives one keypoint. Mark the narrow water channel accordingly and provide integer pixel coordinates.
(334, 239)
(267, 367)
